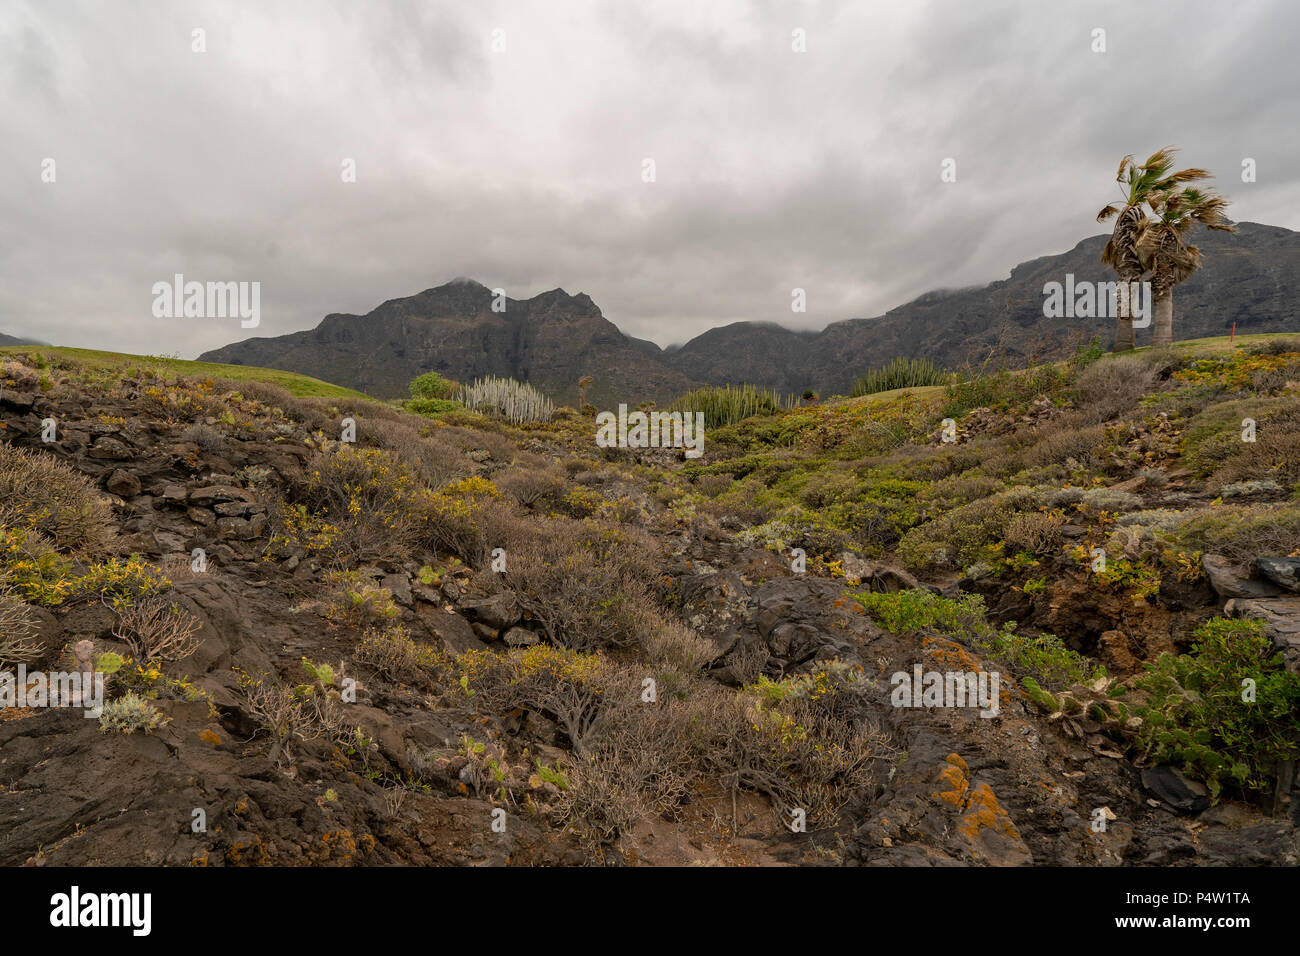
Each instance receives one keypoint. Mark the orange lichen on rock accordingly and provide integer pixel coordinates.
(979, 807)
(954, 775)
(983, 811)
(950, 653)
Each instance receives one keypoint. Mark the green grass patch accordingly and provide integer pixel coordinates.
(117, 364)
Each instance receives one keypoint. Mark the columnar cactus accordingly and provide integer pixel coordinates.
(518, 402)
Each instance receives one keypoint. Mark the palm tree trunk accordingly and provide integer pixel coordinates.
(1125, 337)
(1162, 330)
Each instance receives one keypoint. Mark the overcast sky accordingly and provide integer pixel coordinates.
(523, 167)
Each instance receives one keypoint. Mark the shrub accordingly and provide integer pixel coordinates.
(572, 688)
(1114, 385)
(585, 584)
(431, 385)
(1066, 441)
(1093, 501)
(900, 373)
(1243, 532)
(17, 630)
(795, 749)
(39, 493)
(1212, 440)
(1275, 347)
(431, 458)
(432, 406)
(1196, 717)
(533, 486)
(916, 611)
(965, 535)
(469, 519)
(155, 629)
(396, 657)
(676, 653)
(130, 713)
(209, 439)
(1037, 532)
(287, 715)
(1002, 390)
(356, 504)
(359, 602)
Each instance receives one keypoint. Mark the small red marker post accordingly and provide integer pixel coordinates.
(1233, 335)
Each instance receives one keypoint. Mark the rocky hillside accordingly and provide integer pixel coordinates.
(551, 340)
(1248, 277)
(554, 339)
(454, 641)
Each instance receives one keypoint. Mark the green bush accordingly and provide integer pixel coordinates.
(432, 406)
(1196, 718)
(129, 714)
(1044, 657)
(431, 385)
(968, 534)
(1004, 390)
(917, 610)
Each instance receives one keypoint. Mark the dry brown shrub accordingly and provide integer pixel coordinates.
(268, 394)
(434, 460)
(1109, 387)
(17, 630)
(586, 584)
(532, 486)
(39, 492)
(800, 756)
(645, 762)
(393, 654)
(156, 629)
(1275, 454)
(1061, 441)
(1038, 532)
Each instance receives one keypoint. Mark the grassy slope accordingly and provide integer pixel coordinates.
(303, 385)
(90, 360)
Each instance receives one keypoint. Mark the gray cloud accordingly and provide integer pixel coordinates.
(522, 168)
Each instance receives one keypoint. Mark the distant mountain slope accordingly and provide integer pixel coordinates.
(550, 340)
(6, 340)
(1252, 277)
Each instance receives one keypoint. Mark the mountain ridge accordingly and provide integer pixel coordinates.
(554, 338)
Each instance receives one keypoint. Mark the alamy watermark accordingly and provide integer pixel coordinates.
(54, 689)
(179, 299)
(651, 430)
(922, 688)
(1097, 300)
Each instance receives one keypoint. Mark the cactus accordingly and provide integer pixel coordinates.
(517, 402)
(900, 373)
(109, 663)
(727, 405)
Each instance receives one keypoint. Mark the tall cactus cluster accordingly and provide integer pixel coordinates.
(727, 405)
(900, 373)
(517, 402)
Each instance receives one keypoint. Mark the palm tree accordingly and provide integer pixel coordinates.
(583, 383)
(1162, 249)
(1140, 185)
